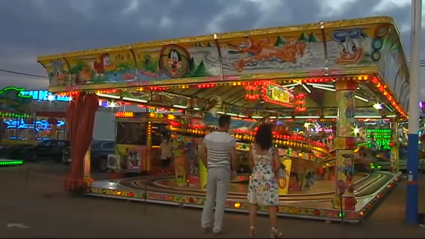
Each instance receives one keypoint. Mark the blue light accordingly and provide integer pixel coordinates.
(39, 124)
(44, 95)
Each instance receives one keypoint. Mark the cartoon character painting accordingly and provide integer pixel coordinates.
(349, 110)
(211, 117)
(104, 65)
(263, 50)
(133, 159)
(174, 61)
(283, 175)
(83, 76)
(347, 169)
(59, 72)
(350, 45)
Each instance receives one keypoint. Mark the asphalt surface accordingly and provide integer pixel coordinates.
(38, 207)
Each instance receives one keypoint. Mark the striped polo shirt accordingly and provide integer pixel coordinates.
(218, 149)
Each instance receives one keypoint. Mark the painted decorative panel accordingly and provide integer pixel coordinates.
(295, 51)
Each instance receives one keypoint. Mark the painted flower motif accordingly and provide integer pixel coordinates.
(259, 175)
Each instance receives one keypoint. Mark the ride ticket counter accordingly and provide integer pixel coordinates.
(138, 137)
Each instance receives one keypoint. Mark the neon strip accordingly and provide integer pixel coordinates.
(11, 163)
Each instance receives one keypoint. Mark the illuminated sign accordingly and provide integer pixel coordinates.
(277, 94)
(124, 114)
(12, 92)
(44, 95)
(39, 124)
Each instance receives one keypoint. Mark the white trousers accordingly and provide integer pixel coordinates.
(218, 180)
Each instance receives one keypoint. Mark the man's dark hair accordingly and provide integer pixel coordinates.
(264, 136)
(223, 120)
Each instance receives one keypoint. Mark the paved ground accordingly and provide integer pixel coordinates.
(47, 211)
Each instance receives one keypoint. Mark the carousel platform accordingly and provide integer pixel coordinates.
(313, 203)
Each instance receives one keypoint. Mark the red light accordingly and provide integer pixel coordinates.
(316, 212)
(240, 178)
(124, 114)
(191, 200)
(130, 194)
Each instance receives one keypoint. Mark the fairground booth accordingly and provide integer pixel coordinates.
(33, 116)
(333, 91)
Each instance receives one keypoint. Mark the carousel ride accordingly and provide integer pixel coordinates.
(313, 89)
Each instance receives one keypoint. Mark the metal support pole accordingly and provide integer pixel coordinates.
(412, 196)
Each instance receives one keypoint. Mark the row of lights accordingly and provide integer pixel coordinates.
(377, 197)
(381, 87)
(234, 83)
(238, 205)
(11, 163)
(192, 200)
(199, 129)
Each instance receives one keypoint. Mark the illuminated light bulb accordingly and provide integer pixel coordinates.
(51, 98)
(377, 106)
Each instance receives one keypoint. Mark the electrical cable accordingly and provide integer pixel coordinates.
(22, 73)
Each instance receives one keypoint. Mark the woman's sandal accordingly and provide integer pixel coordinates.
(252, 232)
(275, 233)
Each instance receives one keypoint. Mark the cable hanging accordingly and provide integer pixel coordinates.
(22, 73)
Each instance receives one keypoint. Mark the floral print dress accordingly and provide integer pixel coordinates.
(263, 189)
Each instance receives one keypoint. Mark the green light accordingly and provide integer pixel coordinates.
(14, 115)
(379, 166)
(144, 195)
(11, 163)
(382, 137)
(341, 214)
(17, 90)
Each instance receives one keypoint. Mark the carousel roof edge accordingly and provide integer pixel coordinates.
(219, 36)
(278, 77)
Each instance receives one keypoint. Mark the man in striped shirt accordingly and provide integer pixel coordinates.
(218, 153)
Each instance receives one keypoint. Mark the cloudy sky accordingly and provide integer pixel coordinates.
(29, 28)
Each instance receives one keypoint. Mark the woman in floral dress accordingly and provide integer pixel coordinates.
(263, 187)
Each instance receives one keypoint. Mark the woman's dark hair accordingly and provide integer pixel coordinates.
(264, 136)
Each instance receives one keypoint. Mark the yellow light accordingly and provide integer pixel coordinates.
(118, 193)
(356, 131)
(237, 205)
(171, 117)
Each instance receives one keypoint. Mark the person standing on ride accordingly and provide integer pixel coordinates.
(166, 147)
(263, 189)
(218, 154)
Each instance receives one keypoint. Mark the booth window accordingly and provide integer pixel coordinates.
(157, 129)
(131, 133)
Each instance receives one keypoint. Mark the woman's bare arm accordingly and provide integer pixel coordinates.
(250, 159)
(276, 159)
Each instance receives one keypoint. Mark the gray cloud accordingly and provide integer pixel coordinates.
(41, 27)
